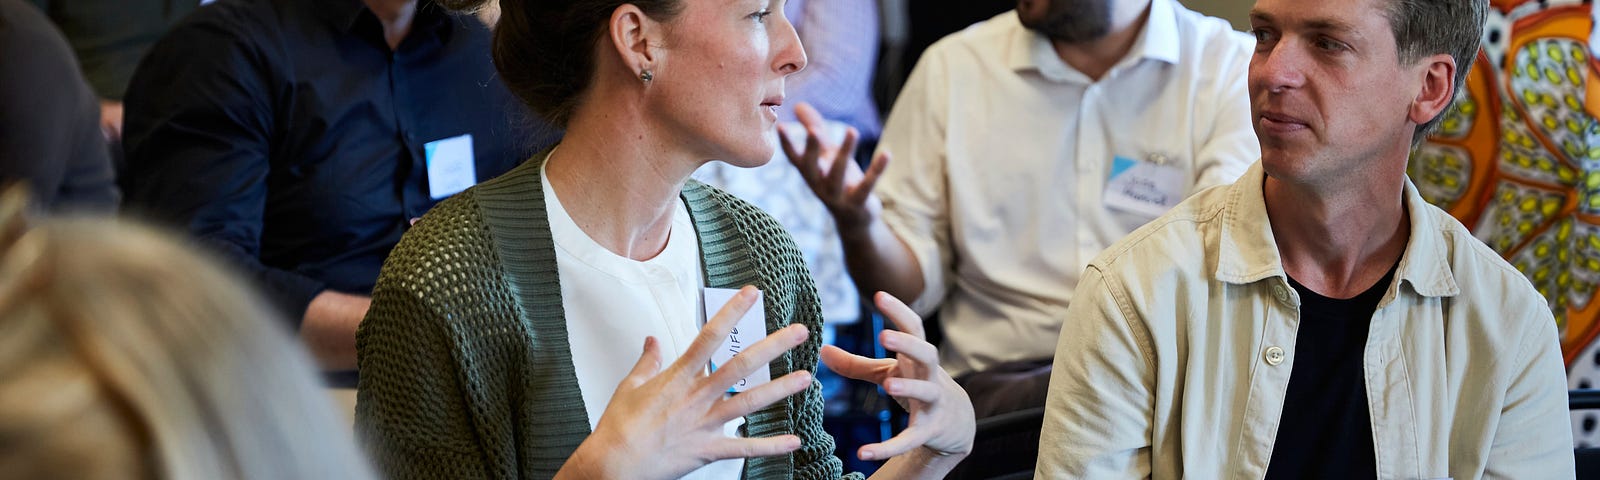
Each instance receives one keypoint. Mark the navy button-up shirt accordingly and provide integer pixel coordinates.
(288, 133)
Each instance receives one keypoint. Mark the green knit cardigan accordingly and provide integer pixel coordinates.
(465, 367)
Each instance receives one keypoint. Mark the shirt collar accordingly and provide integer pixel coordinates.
(342, 13)
(346, 15)
(1426, 263)
(1247, 250)
(1157, 40)
(1249, 253)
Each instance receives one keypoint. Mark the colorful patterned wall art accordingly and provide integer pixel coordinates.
(1517, 159)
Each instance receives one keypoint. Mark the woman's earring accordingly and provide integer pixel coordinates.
(646, 76)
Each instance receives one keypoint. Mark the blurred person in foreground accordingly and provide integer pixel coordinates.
(122, 355)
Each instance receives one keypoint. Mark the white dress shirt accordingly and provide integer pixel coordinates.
(1176, 355)
(1001, 154)
(613, 302)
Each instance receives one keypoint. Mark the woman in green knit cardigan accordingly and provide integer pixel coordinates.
(470, 362)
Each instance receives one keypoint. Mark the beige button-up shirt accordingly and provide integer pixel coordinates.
(1176, 352)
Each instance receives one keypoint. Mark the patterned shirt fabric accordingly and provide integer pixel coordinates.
(841, 42)
(1180, 344)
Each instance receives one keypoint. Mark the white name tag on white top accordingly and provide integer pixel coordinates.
(451, 168)
(751, 328)
(1144, 187)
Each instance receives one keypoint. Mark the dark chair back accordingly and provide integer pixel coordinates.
(1587, 460)
(1009, 431)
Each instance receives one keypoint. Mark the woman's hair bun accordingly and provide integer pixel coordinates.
(466, 6)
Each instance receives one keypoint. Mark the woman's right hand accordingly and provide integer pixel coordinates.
(667, 423)
(832, 173)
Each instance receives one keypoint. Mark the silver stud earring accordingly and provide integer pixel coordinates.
(646, 76)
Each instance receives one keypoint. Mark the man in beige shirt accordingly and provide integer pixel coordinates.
(1316, 319)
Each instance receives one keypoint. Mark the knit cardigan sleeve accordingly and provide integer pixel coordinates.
(815, 458)
(791, 297)
(418, 397)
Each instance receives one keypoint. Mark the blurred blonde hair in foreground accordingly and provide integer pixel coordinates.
(124, 356)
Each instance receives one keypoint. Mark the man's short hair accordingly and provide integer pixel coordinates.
(1427, 27)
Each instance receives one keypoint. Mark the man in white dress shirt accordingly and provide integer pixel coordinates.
(1022, 146)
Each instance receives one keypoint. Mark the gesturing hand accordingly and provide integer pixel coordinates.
(831, 171)
(667, 423)
(941, 414)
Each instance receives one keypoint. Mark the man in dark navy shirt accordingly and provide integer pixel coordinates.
(301, 137)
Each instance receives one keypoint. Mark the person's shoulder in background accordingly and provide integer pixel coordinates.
(980, 38)
(49, 119)
(239, 19)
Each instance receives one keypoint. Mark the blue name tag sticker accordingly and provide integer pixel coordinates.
(1144, 187)
(451, 167)
(751, 328)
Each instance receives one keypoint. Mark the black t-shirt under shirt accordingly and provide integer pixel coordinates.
(1325, 430)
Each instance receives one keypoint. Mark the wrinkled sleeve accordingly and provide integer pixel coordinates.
(412, 413)
(1533, 438)
(1230, 145)
(197, 130)
(1097, 421)
(915, 203)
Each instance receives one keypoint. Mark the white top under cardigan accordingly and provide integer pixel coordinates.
(613, 303)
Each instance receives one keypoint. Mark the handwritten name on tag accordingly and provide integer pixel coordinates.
(1144, 187)
(451, 167)
(751, 328)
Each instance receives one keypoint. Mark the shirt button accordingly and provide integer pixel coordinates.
(1281, 293)
(1274, 356)
(659, 273)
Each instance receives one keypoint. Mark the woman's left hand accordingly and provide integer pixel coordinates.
(941, 414)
